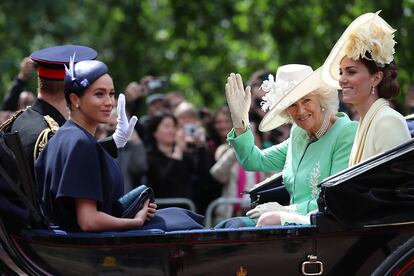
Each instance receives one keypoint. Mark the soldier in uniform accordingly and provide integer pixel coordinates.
(39, 122)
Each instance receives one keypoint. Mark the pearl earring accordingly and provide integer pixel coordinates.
(373, 90)
(77, 106)
(323, 109)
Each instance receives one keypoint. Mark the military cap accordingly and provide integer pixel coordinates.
(51, 60)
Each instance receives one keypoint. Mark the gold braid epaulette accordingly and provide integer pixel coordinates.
(8, 123)
(45, 135)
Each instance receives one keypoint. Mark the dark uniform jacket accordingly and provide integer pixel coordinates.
(32, 122)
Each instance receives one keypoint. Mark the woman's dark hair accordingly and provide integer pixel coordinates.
(153, 124)
(213, 135)
(389, 87)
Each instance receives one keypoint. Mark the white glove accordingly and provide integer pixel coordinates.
(267, 207)
(238, 100)
(124, 128)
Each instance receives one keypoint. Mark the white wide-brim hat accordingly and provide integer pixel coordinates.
(330, 68)
(293, 82)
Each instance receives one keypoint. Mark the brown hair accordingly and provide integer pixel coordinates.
(389, 87)
(51, 87)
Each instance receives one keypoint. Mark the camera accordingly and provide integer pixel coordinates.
(156, 83)
(191, 130)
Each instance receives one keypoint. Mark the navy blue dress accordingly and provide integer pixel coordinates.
(74, 165)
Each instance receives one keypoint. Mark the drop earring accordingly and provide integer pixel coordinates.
(373, 90)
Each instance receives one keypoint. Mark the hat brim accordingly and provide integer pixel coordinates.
(59, 55)
(51, 60)
(274, 119)
(330, 68)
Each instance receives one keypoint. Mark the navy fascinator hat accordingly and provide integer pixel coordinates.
(79, 76)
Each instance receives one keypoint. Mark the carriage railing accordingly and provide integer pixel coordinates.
(243, 202)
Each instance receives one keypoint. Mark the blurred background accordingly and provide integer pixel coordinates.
(193, 45)
(171, 58)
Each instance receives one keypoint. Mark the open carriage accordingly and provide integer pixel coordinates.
(365, 225)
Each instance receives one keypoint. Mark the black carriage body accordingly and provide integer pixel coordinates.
(268, 251)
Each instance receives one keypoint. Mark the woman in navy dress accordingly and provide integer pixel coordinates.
(79, 181)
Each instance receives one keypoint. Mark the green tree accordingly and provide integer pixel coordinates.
(195, 44)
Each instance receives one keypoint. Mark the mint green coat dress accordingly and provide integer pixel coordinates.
(304, 163)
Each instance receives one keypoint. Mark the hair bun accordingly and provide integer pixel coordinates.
(389, 86)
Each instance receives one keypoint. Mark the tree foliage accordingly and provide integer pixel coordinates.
(195, 44)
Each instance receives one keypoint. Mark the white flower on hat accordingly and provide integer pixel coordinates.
(374, 39)
(274, 91)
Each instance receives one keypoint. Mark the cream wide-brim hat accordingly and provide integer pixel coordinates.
(330, 68)
(274, 117)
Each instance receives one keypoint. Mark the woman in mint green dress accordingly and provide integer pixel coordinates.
(319, 145)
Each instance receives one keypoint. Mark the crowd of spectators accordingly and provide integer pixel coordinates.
(178, 148)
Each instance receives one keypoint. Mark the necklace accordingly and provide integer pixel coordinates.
(322, 130)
